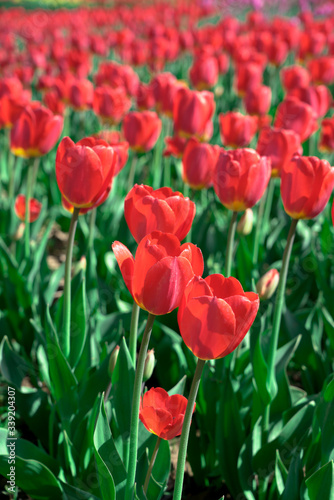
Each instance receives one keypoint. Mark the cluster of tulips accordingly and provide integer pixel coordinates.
(63, 70)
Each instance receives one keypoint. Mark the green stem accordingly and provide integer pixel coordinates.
(34, 174)
(92, 221)
(150, 467)
(132, 172)
(280, 294)
(27, 214)
(133, 332)
(181, 460)
(258, 229)
(267, 209)
(157, 157)
(134, 424)
(11, 172)
(65, 336)
(230, 244)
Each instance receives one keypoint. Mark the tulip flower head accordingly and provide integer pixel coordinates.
(142, 130)
(240, 178)
(20, 208)
(146, 210)
(162, 414)
(198, 163)
(192, 113)
(215, 314)
(84, 171)
(279, 145)
(306, 185)
(293, 114)
(35, 132)
(267, 284)
(236, 129)
(160, 271)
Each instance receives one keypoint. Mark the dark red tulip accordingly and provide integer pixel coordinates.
(204, 72)
(146, 210)
(322, 70)
(193, 112)
(318, 97)
(295, 76)
(81, 94)
(247, 75)
(175, 146)
(215, 314)
(160, 271)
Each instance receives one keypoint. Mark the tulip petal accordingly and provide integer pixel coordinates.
(155, 419)
(245, 312)
(195, 257)
(207, 326)
(223, 287)
(125, 261)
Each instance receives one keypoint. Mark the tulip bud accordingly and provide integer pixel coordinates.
(149, 365)
(112, 361)
(19, 232)
(267, 285)
(245, 224)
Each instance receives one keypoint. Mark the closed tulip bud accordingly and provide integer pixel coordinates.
(266, 286)
(236, 129)
(149, 365)
(240, 178)
(245, 224)
(112, 361)
(142, 130)
(19, 232)
(20, 208)
(306, 185)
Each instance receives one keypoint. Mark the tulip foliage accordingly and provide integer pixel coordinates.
(166, 251)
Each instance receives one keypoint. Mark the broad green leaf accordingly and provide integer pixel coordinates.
(13, 368)
(321, 483)
(281, 473)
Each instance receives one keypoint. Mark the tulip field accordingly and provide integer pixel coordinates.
(166, 250)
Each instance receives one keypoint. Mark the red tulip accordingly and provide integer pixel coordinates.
(306, 185)
(240, 178)
(111, 104)
(54, 103)
(258, 100)
(247, 75)
(322, 70)
(161, 270)
(279, 145)
(164, 87)
(318, 97)
(204, 72)
(192, 113)
(10, 87)
(35, 132)
(215, 314)
(162, 414)
(198, 163)
(145, 98)
(236, 129)
(84, 171)
(146, 210)
(326, 142)
(20, 208)
(12, 107)
(120, 147)
(296, 115)
(175, 146)
(295, 76)
(81, 94)
(142, 130)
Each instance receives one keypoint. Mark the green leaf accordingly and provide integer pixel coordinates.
(108, 462)
(260, 370)
(13, 368)
(72, 493)
(321, 483)
(281, 473)
(78, 322)
(122, 389)
(179, 387)
(39, 253)
(294, 479)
